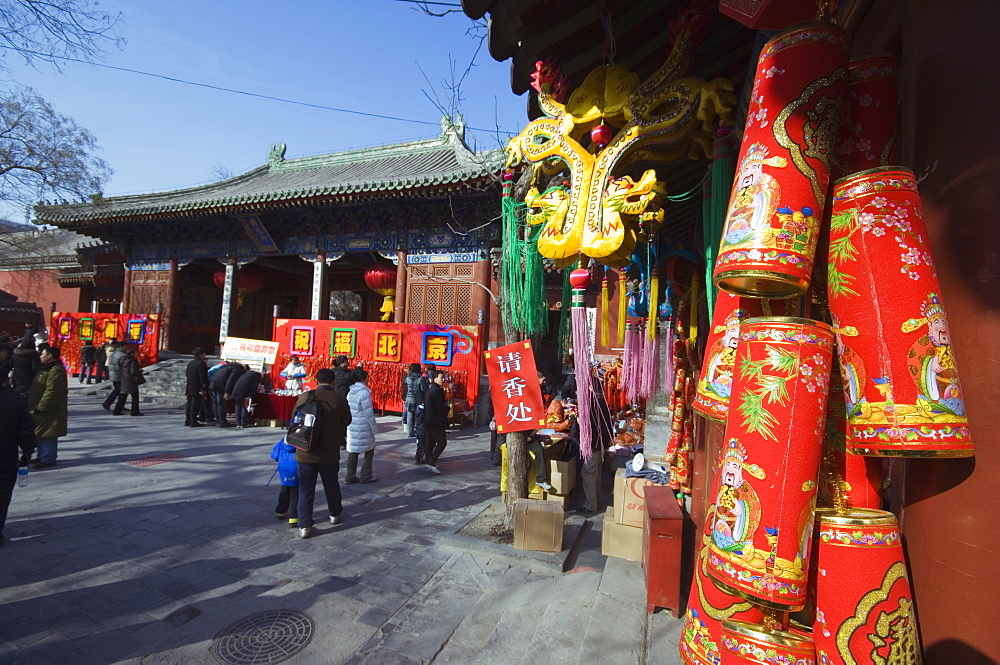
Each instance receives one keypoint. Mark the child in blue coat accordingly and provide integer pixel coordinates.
(288, 472)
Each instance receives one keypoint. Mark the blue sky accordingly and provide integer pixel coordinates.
(365, 55)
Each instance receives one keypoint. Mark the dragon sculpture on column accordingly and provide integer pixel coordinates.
(596, 212)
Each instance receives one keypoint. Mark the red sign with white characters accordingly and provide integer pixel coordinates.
(517, 396)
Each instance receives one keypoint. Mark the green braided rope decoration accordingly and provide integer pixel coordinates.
(720, 184)
(522, 275)
(565, 327)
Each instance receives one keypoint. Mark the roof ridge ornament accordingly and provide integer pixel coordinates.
(453, 128)
(277, 154)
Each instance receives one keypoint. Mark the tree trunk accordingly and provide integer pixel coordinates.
(517, 472)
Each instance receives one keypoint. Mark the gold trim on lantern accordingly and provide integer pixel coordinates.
(925, 454)
(794, 320)
(774, 636)
(855, 517)
(735, 281)
(867, 172)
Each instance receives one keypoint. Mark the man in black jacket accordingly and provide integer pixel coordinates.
(197, 386)
(344, 377)
(221, 384)
(17, 433)
(435, 420)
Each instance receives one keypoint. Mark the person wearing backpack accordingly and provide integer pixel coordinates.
(322, 457)
(414, 387)
(288, 474)
(361, 432)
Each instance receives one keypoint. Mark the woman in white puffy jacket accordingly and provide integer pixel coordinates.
(361, 431)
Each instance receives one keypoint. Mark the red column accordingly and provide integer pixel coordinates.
(169, 334)
(127, 291)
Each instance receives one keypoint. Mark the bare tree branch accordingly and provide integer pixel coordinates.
(48, 30)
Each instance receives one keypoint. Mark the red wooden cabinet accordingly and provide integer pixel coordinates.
(662, 549)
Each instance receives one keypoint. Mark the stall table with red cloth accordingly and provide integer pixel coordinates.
(69, 331)
(386, 350)
(273, 407)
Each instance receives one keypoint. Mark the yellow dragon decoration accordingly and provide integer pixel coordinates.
(598, 214)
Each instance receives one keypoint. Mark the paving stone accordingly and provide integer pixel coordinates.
(407, 574)
(376, 616)
(384, 656)
(412, 646)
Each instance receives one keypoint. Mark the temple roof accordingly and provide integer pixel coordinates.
(415, 165)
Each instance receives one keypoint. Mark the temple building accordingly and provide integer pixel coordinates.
(293, 238)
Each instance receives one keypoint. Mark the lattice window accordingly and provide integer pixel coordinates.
(464, 270)
(463, 306)
(441, 271)
(415, 312)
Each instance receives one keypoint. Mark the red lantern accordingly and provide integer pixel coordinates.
(381, 278)
(245, 281)
(864, 605)
(750, 644)
(762, 522)
(768, 14)
(772, 226)
(867, 137)
(899, 376)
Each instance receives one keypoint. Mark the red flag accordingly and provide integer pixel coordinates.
(517, 397)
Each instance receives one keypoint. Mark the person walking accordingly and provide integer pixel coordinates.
(17, 434)
(24, 365)
(361, 432)
(131, 379)
(196, 388)
(435, 421)
(288, 473)
(414, 387)
(48, 399)
(88, 359)
(103, 351)
(244, 389)
(323, 457)
(114, 373)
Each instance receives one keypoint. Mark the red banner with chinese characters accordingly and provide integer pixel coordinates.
(69, 330)
(517, 397)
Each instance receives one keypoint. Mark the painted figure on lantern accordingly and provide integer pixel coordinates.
(737, 509)
(931, 361)
(718, 376)
(755, 202)
(852, 368)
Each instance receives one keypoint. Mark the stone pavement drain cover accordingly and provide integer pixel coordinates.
(155, 459)
(264, 637)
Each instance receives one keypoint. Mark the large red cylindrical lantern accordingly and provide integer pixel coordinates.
(867, 136)
(769, 240)
(767, 472)
(381, 278)
(847, 480)
(864, 611)
(750, 644)
(897, 365)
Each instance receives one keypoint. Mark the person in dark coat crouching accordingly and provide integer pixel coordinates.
(323, 457)
(244, 389)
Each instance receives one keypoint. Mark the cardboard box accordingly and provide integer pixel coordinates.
(543, 496)
(630, 500)
(562, 477)
(618, 540)
(538, 525)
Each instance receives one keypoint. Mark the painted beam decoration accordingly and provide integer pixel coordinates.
(302, 340)
(437, 349)
(385, 354)
(343, 342)
(517, 396)
(105, 327)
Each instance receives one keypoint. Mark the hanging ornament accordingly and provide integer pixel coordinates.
(245, 282)
(772, 227)
(601, 135)
(753, 644)
(897, 365)
(579, 279)
(867, 137)
(762, 524)
(381, 278)
(716, 381)
(864, 605)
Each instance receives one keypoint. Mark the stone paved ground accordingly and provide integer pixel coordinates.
(111, 563)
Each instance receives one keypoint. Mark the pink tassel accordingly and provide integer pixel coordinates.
(627, 357)
(635, 367)
(584, 385)
(650, 352)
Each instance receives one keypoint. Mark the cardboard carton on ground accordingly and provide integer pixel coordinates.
(543, 496)
(630, 499)
(618, 540)
(562, 476)
(538, 525)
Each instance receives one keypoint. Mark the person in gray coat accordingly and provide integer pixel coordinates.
(114, 373)
(131, 379)
(361, 432)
